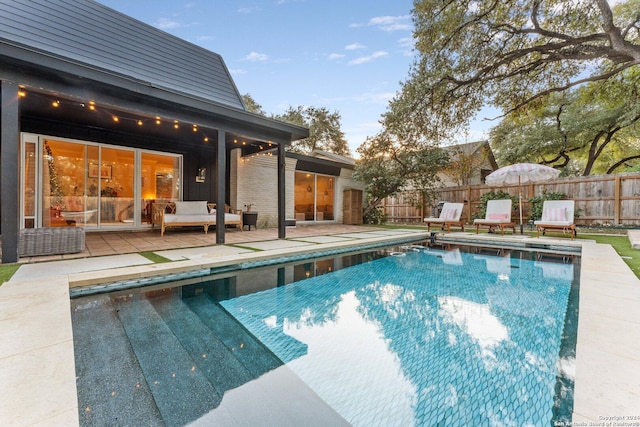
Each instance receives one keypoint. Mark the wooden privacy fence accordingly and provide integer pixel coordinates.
(612, 200)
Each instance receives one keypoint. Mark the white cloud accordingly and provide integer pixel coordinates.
(255, 56)
(333, 56)
(388, 23)
(354, 46)
(238, 71)
(167, 24)
(248, 10)
(369, 58)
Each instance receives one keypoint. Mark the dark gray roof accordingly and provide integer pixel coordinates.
(90, 34)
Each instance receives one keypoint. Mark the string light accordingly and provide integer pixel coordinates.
(91, 105)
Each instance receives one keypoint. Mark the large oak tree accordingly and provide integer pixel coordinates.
(506, 53)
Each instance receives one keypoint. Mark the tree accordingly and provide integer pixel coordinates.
(592, 129)
(324, 130)
(388, 167)
(251, 105)
(508, 54)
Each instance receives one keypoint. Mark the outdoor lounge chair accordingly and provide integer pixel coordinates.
(557, 214)
(450, 215)
(498, 215)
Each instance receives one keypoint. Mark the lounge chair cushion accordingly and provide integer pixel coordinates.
(449, 213)
(555, 214)
(498, 216)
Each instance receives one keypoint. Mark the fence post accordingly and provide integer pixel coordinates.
(616, 201)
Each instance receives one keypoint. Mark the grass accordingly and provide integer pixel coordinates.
(7, 271)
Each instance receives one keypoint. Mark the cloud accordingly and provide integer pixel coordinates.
(167, 24)
(354, 46)
(248, 10)
(238, 71)
(333, 56)
(369, 58)
(407, 44)
(255, 57)
(388, 23)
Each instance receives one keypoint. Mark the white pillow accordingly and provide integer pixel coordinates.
(191, 208)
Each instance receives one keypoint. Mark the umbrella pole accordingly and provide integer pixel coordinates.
(520, 204)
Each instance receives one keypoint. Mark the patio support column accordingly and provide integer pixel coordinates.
(221, 185)
(9, 170)
(282, 234)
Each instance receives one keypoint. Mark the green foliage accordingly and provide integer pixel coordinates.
(325, 131)
(538, 201)
(251, 105)
(507, 54)
(387, 166)
(481, 211)
(589, 130)
(375, 215)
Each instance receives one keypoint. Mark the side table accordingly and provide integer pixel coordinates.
(249, 219)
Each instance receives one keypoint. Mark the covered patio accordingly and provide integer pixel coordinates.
(94, 101)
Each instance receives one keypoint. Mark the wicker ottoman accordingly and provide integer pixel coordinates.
(51, 241)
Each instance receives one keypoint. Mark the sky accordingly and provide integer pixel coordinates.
(347, 56)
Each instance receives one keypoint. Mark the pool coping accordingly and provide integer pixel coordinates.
(37, 356)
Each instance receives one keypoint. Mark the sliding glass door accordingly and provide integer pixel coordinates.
(73, 183)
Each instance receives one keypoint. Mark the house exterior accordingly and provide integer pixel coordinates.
(102, 116)
(315, 185)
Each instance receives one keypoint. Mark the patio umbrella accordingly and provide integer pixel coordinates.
(522, 173)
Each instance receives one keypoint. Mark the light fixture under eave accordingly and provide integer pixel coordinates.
(22, 93)
(206, 139)
(56, 103)
(158, 120)
(116, 119)
(139, 122)
(92, 106)
(176, 124)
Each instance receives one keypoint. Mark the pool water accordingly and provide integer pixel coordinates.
(412, 336)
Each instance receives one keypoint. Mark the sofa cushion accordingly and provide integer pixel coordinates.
(191, 208)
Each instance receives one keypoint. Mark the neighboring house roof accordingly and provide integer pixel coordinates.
(88, 33)
(333, 157)
(472, 148)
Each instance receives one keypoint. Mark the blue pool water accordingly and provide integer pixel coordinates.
(408, 336)
(417, 339)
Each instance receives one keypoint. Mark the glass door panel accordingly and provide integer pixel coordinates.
(29, 189)
(159, 182)
(63, 183)
(116, 175)
(324, 198)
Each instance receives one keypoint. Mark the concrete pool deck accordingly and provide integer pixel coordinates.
(37, 354)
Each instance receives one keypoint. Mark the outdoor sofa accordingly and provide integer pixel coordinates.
(192, 213)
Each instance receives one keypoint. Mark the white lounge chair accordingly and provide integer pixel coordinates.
(450, 215)
(557, 215)
(498, 215)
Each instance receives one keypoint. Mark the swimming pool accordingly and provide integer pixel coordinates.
(408, 336)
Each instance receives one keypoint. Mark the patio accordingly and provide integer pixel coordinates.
(126, 242)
